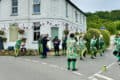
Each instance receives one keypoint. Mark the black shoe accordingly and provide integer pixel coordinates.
(74, 69)
(81, 59)
(68, 68)
(93, 58)
(101, 55)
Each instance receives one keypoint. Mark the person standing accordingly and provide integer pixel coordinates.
(45, 47)
(71, 52)
(101, 45)
(116, 51)
(40, 46)
(1, 44)
(93, 48)
(64, 45)
(56, 43)
(17, 47)
(23, 49)
(82, 48)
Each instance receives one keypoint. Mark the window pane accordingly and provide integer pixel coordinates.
(14, 10)
(36, 26)
(36, 8)
(36, 29)
(36, 35)
(14, 2)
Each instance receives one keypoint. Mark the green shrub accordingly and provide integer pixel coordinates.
(111, 27)
(90, 33)
(96, 32)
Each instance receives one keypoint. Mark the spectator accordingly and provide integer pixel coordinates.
(56, 43)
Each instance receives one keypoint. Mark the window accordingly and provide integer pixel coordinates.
(66, 9)
(76, 16)
(14, 7)
(36, 6)
(36, 31)
(80, 18)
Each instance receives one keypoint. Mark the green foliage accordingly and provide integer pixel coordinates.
(96, 32)
(90, 33)
(110, 26)
(111, 20)
(117, 24)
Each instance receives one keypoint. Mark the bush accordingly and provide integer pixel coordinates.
(111, 27)
(90, 33)
(106, 37)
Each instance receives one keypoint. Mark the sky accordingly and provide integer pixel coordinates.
(97, 5)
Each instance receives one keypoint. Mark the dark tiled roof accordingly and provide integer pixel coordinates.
(75, 6)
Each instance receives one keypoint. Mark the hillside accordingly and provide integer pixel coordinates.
(109, 20)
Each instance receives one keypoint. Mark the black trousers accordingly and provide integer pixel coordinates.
(69, 60)
(44, 54)
(56, 48)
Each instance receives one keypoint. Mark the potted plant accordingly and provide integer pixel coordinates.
(24, 39)
(76, 33)
(21, 31)
(4, 39)
(66, 32)
(1, 32)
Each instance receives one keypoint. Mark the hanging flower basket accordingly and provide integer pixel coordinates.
(1, 32)
(76, 33)
(21, 31)
(24, 39)
(66, 32)
(4, 39)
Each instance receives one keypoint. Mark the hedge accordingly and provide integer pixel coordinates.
(90, 33)
(96, 32)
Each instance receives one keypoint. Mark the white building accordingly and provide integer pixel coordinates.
(49, 16)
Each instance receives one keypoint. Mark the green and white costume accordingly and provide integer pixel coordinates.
(81, 48)
(71, 52)
(101, 45)
(116, 51)
(93, 47)
(17, 47)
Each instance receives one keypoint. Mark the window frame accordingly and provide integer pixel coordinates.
(76, 16)
(14, 7)
(36, 31)
(35, 4)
